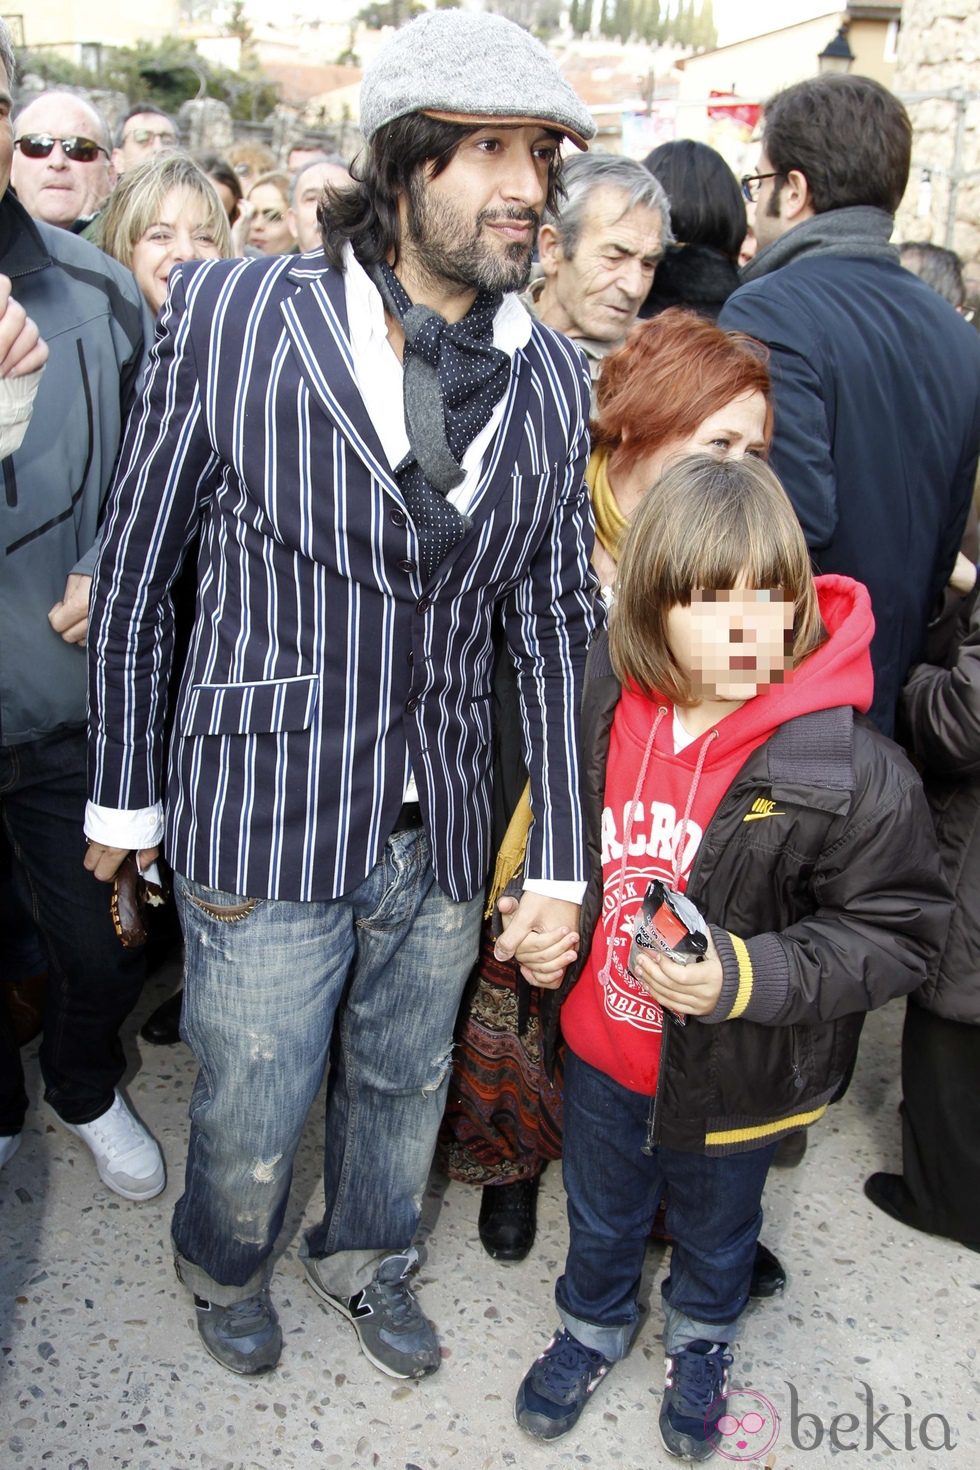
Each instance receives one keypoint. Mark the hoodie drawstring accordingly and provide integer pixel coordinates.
(681, 839)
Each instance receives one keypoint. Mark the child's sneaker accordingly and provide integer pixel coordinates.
(694, 1399)
(557, 1386)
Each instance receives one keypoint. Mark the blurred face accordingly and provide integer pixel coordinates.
(297, 157)
(229, 201)
(597, 292)
(309, 189)
(59, 189)
(733, 644)
(731, 432)
(268, 228)
(145, 134)
(181, 232)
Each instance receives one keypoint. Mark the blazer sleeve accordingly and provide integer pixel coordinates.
(881, 911)
(549, 620)
(167, 468)
(802, 437)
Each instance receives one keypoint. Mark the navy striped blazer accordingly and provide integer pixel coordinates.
(321, 666)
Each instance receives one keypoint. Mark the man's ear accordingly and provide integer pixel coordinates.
(550, 253)
(291, 223)
(797, 204)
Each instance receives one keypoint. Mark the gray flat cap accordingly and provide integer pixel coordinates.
(470, 67)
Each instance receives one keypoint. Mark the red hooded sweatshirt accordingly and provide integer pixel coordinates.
(609, 1019)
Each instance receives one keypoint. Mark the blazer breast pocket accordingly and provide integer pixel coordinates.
(263, 708)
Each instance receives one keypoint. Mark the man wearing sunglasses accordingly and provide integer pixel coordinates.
(144, 131)
(60, 167)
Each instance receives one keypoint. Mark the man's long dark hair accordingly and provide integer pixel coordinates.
(366, 214)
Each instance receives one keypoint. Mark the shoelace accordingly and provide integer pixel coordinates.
(121, 1136)
(698, 1379)
(245, 1317)
(398, 1303)
(567, 1364)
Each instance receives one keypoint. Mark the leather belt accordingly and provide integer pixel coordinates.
(408, 818)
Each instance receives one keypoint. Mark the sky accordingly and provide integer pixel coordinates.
(735, 19)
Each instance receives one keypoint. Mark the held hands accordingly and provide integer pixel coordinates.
(690, 990)
(541, 934)
(103, 861)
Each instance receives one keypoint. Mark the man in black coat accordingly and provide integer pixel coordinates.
(877, 379)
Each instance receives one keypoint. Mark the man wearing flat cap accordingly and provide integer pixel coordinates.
(383, 456)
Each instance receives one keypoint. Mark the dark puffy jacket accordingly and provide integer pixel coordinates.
(940, 709)
(842, 903)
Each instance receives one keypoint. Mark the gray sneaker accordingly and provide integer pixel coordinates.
(394, 1334)
(245, 1337)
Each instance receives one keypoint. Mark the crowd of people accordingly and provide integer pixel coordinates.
(493, 589)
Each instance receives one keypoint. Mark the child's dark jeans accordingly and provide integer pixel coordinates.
(713, 1215)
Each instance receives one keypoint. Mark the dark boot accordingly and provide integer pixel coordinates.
(508, 1218)
(768, 1273)
(162, 1028)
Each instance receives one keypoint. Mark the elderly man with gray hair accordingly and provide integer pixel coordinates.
(598, 252)
(60, 167)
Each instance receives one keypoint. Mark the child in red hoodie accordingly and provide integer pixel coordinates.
(724, 758)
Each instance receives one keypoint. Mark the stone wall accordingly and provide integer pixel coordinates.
(939, 51)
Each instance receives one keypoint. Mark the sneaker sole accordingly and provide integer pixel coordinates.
(693, 1451)
(341, 1309)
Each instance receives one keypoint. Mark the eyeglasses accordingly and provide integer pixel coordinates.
(79, 150)
(271, 216)
(142, 136)
(750, 184)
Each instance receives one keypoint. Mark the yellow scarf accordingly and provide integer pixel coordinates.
(610, 523)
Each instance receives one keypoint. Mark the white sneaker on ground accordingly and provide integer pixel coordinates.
(127, 1158)
(9, 1145)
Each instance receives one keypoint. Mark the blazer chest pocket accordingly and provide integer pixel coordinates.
(263, 708)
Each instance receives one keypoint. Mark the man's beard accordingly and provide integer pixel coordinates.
(447, 247)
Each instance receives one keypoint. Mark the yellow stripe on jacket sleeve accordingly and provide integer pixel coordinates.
(762, 1131)
(744, 994)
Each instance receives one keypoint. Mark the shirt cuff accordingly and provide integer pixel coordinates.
(118, 827)
(568, 891)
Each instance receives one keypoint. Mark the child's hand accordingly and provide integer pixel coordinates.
(542, 954)
(690, 990)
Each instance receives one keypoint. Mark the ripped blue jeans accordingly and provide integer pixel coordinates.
(273, 989)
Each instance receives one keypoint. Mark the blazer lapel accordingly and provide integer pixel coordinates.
(316, 320)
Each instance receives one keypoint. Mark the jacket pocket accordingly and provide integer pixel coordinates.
(265, 708)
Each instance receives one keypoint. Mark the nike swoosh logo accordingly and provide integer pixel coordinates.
(758, 816)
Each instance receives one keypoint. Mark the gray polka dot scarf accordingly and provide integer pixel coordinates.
(454, 377)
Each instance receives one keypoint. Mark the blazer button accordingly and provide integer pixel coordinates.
(399, 518)
(408, 566)
(411, 704)
(423, 604)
